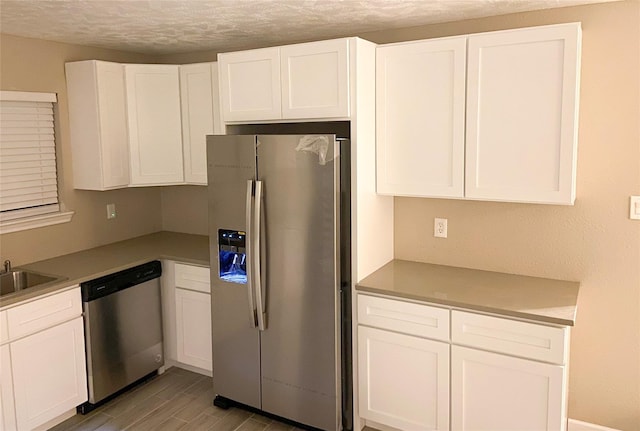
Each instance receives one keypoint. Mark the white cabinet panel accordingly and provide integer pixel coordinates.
(520, 111)
(406, 317)
(155, 135)
(250, 85)
(198, 93)
(315, 79)
(291, 82)
(4, 327)
(49, 373)
(193, 328)
(404, 380)
(98, 125)
(529, 340)
(193, 277)
(7, 407)
(43, 313)
(420, 106)
(494, 392)
(522, 100)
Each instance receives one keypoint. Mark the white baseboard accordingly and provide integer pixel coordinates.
(575, 425)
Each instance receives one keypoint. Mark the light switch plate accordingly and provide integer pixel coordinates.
(634, 207)
(111, 211)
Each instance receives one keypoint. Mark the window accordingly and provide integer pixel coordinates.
(28, 178)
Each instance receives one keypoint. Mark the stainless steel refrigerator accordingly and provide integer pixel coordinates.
(279, 234)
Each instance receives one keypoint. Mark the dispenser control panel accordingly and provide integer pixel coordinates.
(232, 256)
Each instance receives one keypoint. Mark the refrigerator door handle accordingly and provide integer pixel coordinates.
(249, 250)
(257, 273)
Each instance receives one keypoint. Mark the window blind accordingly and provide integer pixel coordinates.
(28, 180)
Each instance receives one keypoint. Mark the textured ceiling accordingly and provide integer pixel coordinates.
(172, 26)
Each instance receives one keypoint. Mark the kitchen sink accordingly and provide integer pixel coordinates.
(16, 280)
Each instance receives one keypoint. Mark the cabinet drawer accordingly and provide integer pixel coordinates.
(43, 313)
(193, 277)
(529, 340)
(4, 330)
(405, 317)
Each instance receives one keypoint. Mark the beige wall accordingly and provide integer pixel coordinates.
(593, 242)
(184, 209)
(35, 65)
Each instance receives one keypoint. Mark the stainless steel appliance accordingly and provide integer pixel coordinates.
(280, 252)
(123, 329)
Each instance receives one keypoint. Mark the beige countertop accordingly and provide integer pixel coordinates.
(539, 299)
(93, 263)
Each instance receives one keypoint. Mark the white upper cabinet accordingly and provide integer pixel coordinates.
(522, 106)
(520, 140)
(98, 125)
(155, 135)
(420, 103)
(250, 85)
(200, 117)
(315, 79)
(303, 81)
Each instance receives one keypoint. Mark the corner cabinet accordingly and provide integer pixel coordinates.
(303, 81)
(418, 364)
(137, 125)
(155, 134)
(518, 142)
(43, 361)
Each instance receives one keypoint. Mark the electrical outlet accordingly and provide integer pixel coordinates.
(440, 228)
(634, 208)
(111, 211)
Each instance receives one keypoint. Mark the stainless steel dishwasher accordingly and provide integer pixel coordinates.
(123, 330)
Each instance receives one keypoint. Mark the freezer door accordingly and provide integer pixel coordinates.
(300, 353)
(236, 343)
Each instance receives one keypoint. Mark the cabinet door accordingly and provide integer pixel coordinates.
(495, 392)
(403, 380)
(250, 85)
(315, 79)
(420, 109)
(522, 102)
(113, 125)
(193, 328)
(155, 135)
(98, 125)
(7, 409)
(49, 373)
(198, 90)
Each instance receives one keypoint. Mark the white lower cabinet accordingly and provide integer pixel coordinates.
(193, 328)
(42, 363)
(7, 408)
(49, 373)
(495, 392)
(404, 380)
(187, 316)
(424, 367)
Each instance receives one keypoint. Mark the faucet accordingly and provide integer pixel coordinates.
(7, 266)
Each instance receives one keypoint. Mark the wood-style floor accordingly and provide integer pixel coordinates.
(175, 400)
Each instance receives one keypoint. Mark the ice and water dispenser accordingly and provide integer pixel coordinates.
(232, 256)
